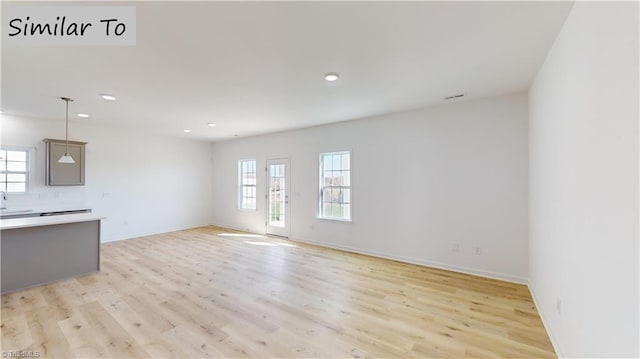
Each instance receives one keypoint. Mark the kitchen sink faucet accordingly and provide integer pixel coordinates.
(4, 200)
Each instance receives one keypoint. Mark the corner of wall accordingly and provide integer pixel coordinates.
(541, 313)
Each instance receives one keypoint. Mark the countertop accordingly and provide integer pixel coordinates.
(10, 213)
(14, 223)
(44, 209)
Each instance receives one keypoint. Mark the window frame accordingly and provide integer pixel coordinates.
(242, 185)
(27, 172)
(321, 186)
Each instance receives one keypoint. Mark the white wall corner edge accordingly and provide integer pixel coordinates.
(554, 341)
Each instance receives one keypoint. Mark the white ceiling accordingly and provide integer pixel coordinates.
(255, 68)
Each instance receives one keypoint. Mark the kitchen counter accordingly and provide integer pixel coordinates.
(8, 213)
(12, 223)
(40, 250)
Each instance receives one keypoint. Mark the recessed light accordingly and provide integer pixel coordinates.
(108, 97)
(186, 131)
(235, 135)
(331, 76)
(83, 115)
(211, 124)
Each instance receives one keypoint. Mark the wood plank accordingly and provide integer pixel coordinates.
(199, 293)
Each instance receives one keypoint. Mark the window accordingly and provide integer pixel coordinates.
(335, 185)
(247, 184)
(14, 170)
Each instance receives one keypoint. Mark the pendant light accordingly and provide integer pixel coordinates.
(66, 158)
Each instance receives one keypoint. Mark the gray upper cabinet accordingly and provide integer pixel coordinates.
(64, 174)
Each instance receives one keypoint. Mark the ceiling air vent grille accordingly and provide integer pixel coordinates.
(454, 96)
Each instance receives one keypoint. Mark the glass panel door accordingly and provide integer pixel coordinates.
(278, 216)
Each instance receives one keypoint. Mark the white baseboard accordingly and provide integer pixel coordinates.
(554, 341)
(420, 261)
(246, 230)
(122, 237)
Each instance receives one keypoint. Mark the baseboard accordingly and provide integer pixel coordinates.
(114, 239)
(536, 302)
(420, 261)
(246, 230)
(144, 234)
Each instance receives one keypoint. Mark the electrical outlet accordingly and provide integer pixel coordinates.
(478, 250)
(559, 305)
(126, 223)
(455, 247)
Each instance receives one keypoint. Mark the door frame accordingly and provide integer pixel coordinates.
(272, 230)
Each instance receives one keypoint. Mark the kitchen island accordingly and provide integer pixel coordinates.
(40, 250)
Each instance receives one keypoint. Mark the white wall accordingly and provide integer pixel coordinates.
(584, 183)
(142, 183)
(422, 180)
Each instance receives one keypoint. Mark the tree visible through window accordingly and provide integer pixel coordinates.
(14, 170)
(335, 185)
(247, 184)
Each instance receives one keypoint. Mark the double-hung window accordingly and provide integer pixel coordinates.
(247, 184)
(335, 185)
(14, 170)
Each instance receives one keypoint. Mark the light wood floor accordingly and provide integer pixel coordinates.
(202, 293)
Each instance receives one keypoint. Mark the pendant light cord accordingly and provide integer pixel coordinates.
(66, 158)
(66, 152)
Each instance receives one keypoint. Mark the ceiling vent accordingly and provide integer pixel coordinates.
(454, 96)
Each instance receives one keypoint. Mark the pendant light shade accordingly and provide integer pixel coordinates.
(66, 158)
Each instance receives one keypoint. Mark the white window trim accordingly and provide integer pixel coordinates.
(30, 159)
(239, 206)
(320, 169)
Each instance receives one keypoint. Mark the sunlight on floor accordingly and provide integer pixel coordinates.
(257, 243)
(261, 243)
(287, 245)
(241, 235)
(271, 244)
